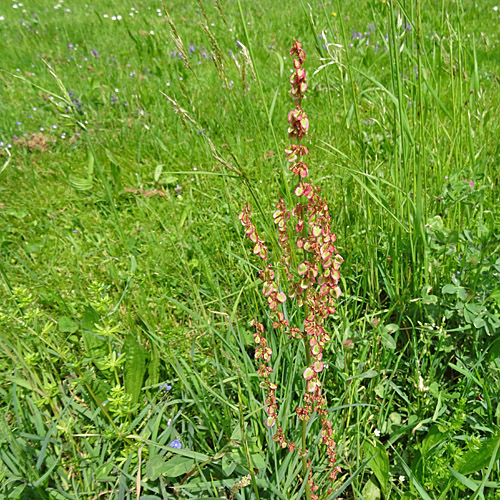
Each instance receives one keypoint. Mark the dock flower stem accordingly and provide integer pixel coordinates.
(309, 268)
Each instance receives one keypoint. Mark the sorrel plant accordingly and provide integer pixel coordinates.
(306, 275)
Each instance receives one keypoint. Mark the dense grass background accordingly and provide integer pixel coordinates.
(127, 284)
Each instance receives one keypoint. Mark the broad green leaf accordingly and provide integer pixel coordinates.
(17, 491)
(390, 328)
(388, 342)
(66, 325)
(495, 295)
(95, 346)
(371, 491)
(158, 171)
(156, 467)
(449, 288)
(90, 318)
(237, 435)
(433, 437)
(178, 465)
(228, 465)
(426, 297)
(258, 461)
(367, 374)
(79, 183)
(169, 180)
(135, 367)
(479, 322)
(379, 464)
(475, 460)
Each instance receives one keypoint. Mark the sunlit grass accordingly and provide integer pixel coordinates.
(124, 268)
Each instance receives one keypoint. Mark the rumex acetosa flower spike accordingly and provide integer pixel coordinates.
(260, 247)
(309, 267)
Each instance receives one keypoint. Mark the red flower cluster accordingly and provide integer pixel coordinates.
(311, 265)
(259, 248)
(299, 123)
(294, 152)
(298, 77)
(297, 118)
(264, 352)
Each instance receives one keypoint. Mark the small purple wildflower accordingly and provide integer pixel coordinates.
(165, 387)
(176, 444)
(70, 46)
(94, 53)
(471, 183)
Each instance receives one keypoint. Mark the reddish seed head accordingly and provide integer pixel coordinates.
(313, 280)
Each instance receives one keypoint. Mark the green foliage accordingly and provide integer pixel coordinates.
(126, 286)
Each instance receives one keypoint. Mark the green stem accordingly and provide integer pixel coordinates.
(245, 445)
(304, 423)
(304, 460)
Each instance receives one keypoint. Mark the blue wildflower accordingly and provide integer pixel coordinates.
(176, 444)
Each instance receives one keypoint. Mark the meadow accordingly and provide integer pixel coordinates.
(132, 137)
